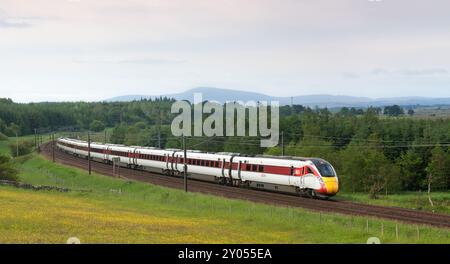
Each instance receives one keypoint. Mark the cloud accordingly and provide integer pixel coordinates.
(153, 61)
(411, 72)
(350, 75)
(7, 21)
(13, 23)
(380, 71)
(423, 72)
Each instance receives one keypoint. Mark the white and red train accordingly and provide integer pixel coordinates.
(305, 176)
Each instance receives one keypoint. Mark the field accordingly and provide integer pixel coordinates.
(101, 209)
(412, 200)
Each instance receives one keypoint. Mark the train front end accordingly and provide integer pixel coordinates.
(329, 182)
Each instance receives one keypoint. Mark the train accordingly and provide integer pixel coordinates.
(310, 177)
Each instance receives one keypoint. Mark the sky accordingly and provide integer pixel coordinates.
(66, 50)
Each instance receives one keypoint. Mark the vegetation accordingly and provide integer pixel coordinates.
(21, 148)
(411, 200)
(24, 118)
(7, 169)
(97, 126)
(3, 137)
(101, 209)
(374, 150)
(395, 110)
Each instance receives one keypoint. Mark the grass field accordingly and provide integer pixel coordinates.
(411, 200)
(118, 211)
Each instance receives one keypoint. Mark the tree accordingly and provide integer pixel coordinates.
(438, 170)
(412, 168)
(97, 126)
(411, 112)
(365, 168)
(118, 134)
(393, 110)
(7, 170)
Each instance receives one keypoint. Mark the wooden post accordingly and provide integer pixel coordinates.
(382, 229)
(367, 225)
(396, 231)
(418, 232)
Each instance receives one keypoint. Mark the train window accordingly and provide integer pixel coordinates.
(261, 168)
(203, 163)
(254, 167)
(291, 171)
(248, 167)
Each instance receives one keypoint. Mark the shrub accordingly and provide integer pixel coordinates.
(25, 147)
(7, 170)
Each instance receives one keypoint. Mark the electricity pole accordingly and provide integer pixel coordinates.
(159, 129)
(53, 147)
(89, 152)
(105, 136)
(35, 139)
(282, 143)
(185, 166)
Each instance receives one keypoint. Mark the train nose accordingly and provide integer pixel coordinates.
(331, 184)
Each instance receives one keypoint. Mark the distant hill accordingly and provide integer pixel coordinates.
(320, 100)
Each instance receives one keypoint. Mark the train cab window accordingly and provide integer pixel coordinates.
(261, 168)
(308, 170)
(248, 167)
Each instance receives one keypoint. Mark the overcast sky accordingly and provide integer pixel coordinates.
(60, 50)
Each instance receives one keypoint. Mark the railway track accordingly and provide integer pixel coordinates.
(342, 207)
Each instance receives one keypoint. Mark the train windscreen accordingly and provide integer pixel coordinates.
(324, 168)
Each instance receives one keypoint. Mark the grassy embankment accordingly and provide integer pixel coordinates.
(143, 213)
(411, 200)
